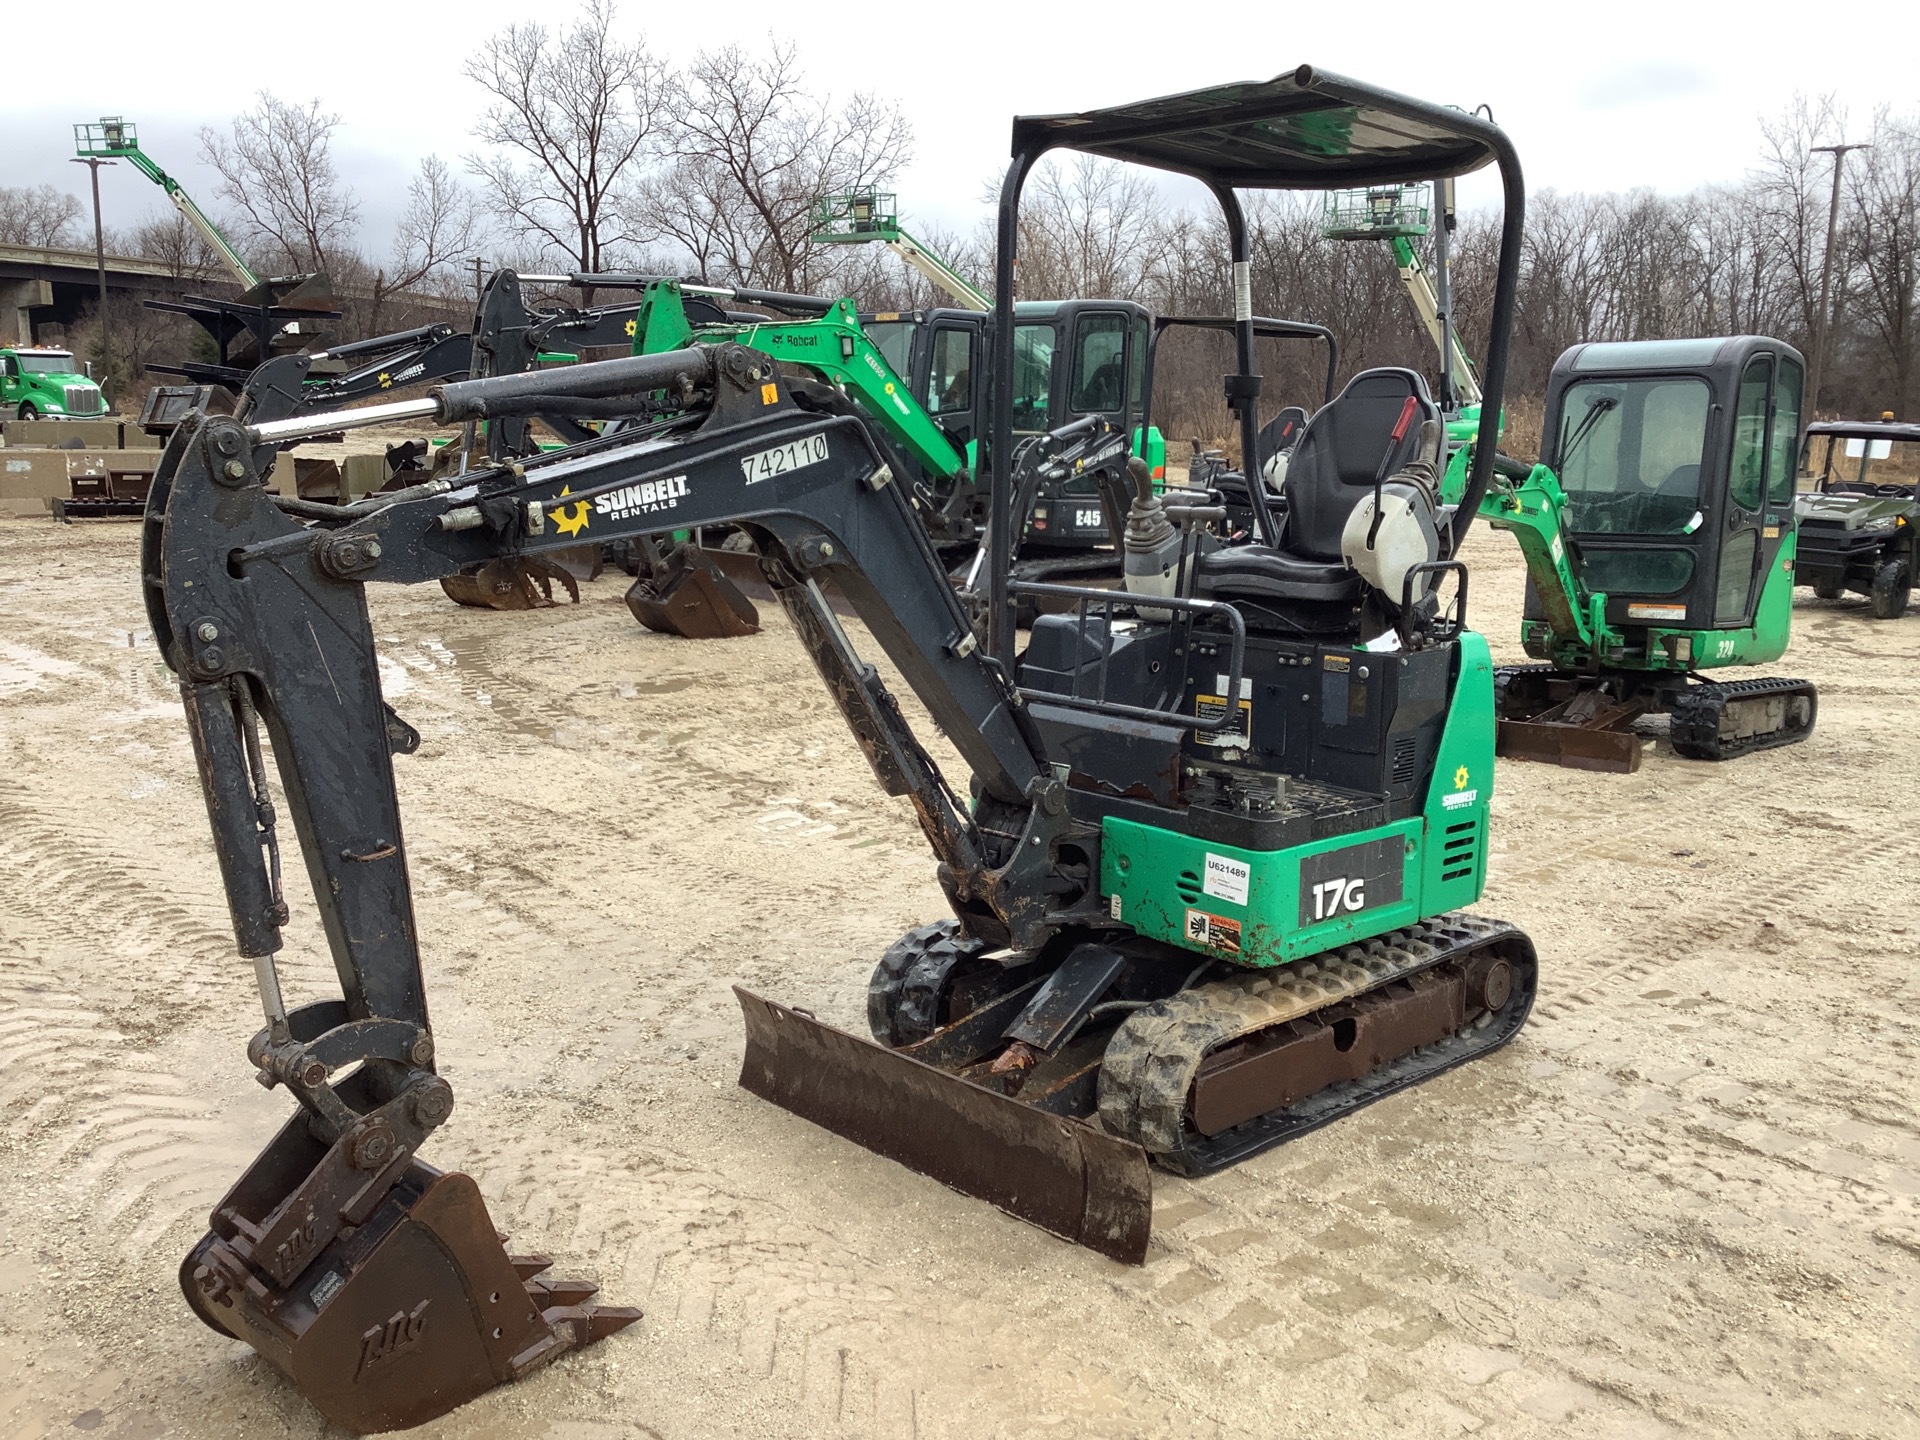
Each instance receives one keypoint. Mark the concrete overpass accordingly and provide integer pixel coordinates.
(52, 286)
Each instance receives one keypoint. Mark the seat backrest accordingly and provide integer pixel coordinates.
(1338, 456)
(1280, 434)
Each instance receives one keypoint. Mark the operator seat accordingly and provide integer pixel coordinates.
(1332, 468)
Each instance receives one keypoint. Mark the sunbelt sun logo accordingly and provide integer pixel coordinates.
(1461, 797)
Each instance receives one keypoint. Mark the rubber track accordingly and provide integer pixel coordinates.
(1695, 729)
(1151, 1062)
(903, 997)
(1503, 678)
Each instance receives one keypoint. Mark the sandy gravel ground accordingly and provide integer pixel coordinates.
(1683, 1202)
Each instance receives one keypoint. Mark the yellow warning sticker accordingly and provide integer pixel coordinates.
(769, 394)
(1212, 930)
(1212, 707)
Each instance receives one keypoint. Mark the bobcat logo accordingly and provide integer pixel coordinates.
(383, 1342)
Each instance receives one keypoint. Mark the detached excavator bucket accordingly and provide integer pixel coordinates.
(1054, 1171)
(387, 1302)
(511, 583)
(685, 594)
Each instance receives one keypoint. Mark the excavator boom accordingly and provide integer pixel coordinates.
(340, 1247)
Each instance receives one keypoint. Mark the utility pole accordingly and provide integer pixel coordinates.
(1823, 322)
(479, 282)
(93, 165)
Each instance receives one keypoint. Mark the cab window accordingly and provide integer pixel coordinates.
(950, 378)
(1746, 478)
(1629, 455)
(1137, 371)
(1032, 375)
(1786, 432)
(1099, 357)
(894, 340)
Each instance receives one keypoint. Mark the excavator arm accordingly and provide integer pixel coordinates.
(339, 1248)
(1528, 503)
(833, 346)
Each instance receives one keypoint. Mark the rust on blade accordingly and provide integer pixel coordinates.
(1578, 747)
(1053, 1171)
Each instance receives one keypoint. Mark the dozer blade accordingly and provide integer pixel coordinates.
(687, 595)
(389, 1317)
(1058, 1173)
(1578, 747)
(511, 583)
(1588, 730)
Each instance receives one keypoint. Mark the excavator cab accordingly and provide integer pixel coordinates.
(1677, 461)
(1660, 535)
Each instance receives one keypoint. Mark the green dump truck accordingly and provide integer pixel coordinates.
(36, 382)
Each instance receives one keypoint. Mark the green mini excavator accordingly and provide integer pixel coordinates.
(1658, 527)
(1207, 874)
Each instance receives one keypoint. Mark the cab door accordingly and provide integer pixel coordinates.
(1757, 513)
(948, 378)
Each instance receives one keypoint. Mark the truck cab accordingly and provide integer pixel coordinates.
(38, 381)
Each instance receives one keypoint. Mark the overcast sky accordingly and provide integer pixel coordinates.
(1596, 96)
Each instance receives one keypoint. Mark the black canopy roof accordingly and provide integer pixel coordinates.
(1303, 130)
(1865, 429)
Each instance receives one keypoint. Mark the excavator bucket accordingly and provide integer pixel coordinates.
(685, 594)
(1051, 1170)
(511, 583)
(386, 1302)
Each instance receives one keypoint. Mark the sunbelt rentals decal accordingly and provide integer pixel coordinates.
(643, 499)
(1461, 796)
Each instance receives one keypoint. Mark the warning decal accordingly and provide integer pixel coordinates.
(1214, 930)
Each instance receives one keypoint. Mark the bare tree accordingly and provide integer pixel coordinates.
(1886, 202)
(751, 152)
(436, 230)
(574, 119)
(177, 243)
(38, 215)
(1089, 229)
(1790, 206)
(278, 173)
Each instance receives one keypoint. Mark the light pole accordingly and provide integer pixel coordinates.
(1823, 322)
(93, 164)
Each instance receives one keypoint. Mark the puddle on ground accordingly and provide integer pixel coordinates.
(666, 685)
(24, 668)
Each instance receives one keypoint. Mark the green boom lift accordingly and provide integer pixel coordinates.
(864, 216)
(274, 313)
(115, 139)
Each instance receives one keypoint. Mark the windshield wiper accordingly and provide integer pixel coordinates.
(1596, 407)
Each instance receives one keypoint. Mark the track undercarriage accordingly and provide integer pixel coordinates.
(1585, 720)
(1192, 1069)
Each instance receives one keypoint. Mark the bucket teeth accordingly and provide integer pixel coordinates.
(528, 1266)
(564, 1293)
(591, 1322)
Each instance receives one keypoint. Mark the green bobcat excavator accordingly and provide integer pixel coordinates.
(1207, 873)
